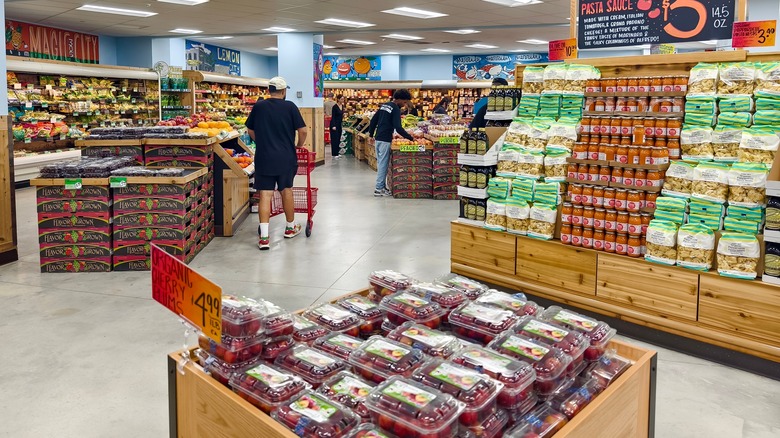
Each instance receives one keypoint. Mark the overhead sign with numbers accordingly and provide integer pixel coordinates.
(620, 23)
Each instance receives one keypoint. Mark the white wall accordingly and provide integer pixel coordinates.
(764, 10)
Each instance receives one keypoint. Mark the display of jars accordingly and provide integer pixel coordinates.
(660, 128)
(628, 177)
(575, 193)
(566, 233)
(609, 197)
(650, 198)
(640, 178)
(621, 244)
(674, 127)
(598, 240)
(599, 218)
(673, 148)
(649, 124)
(576, 235)
(566, 212)
(617, 175)
(621, 154)
(634, 200)
(635, 224)
(610, 220)
(576, 215)
(622, 222)
(609, 241)
(593, 151)
(659, 155)
(587, 196)
(598, 196)
(588, 216)
(634, 246)
(571, 171)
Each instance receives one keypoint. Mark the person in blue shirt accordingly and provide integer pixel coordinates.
(480, 108)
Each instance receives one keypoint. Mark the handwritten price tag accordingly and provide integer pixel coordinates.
(754, 34)
(411, 148)
(563, 49)
(186, 293)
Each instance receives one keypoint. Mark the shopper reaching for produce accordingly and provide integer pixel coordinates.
(441, 108)
(480, 108)
(386, 120)
(273, 124)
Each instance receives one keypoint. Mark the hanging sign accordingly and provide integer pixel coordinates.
(619, 23)
(345, 68)
(42, 42)
(319, 86)
(754, 34)
(207, 57)
(563, 49)
(488, 67)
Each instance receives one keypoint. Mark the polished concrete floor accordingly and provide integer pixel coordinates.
(86, 353)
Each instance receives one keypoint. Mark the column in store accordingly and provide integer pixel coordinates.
(8, 251)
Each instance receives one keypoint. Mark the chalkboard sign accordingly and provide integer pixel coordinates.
(620, 23)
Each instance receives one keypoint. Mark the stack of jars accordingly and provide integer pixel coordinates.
(605, 219)
(660, 134)
(658, 84)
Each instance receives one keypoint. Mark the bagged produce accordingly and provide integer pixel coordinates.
(696, 143)
(530, 164)
(768, 77)
(542, 219)
(736, 78)
(661, 243)
(495, 218)
(533, 80)
(517, 216)
(555, 164)
(555, 78)
(738, 255)
(725, 142)
(758, 145)
(695, 247)
(678, 180)
(747, 184)
(703, 79)
(711, 182)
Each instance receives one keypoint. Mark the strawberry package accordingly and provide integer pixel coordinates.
(572, 400)
(608, 368)
(472, 289)
(480, 323)
(336, 319)
(337, 344)
(600, 333)
(233, 350)
(312, 365)
(549, 362)
(383, 283)
(412, 410)
(402, 307)
(379, 359)
(314, 416)
(432, 342)
(447, 298)
(273, 347)
(571, 342)
(267, 387)
(517, 304)
(307, 331)
(220, 370)
(349, 390)
(368, 310)
(242, 316)
(542, 422)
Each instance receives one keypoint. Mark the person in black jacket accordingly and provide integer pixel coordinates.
(336, 126)
(386, 120)
(441, 108)
(480, 108)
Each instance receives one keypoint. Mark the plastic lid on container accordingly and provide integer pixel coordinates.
(511, 372)
(224, 369)
(474, 389)
(313, 365)
(265, 315)
(386, 357)
(414, 405)
(431, 342)
(482, 318)
(542, 422)
(314, 415)
(472, 289)
(268, 385)
(362, 307)
(440, 294)
(338, 344)
(369, 430)
(349, 390)
(333, 317)
(570, 342)
(411, 307)
(513, 303)
(229, 343)
(491, 427)
(548, 361)
(306, 330)
(599, 332)
(389, 279)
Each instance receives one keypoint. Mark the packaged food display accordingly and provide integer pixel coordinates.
(608, 368)
(574, 399)
(383, 283)
(600, 333)
(517, 216)
(695, 247)
(267, 387)
(232, 350)
(307, 331)
(710, 182)
(478, 392)
(349, 390)
(432, 342)
(368, 310)
(571, 342)
(387, 327)
(496, 215)
(549, 362)
(542, 422)
(678, 180)
(725, 142)
(369, 430)
(379, 359)
(738, 255)
(312, 365)
(747, 185)
(758, 145)
(542, 219)
(533, 80)
(515, 304)
(338, 344)
(703, 79)
(661, 242)
(447, 298)
(480, 323)
(336, 319)
(273, 347)
(696, 143)
(403, 306)
(242, 316)
(413, 410)
(313, 415)
(518, 377)
(736, 78)
(471, 288)
(220, 370)
(492, 427)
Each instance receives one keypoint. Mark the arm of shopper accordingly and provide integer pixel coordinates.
(300, 126)
(479, 118)
(250, 123)
(397, 125)
(251, 134)
(372, 126)
(302, 134)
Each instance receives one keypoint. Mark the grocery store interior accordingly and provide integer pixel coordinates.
(611, 227)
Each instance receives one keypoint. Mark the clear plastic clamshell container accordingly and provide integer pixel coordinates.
(313, 415)
(549, 362)
(338, 344)
(369, 430)
(412, 410)
(432, 342)
(368, 310)
(478, 392)
(349, 390)
(314, 366)
(388, 326)
(242, 316)
(516, 304)
(267, 387)
(403, 306)
(480, 323)
(599, 333)
(233, 350)
(517, 376)
(220, 370)
(570, 342)
(379, 359)
(446, 297)
(307, 331)
(608, 368)
(336, 319)
(472, 289)
(492, 427)
(542, 422)
(273, 347)
(387, 282)
(572, 400)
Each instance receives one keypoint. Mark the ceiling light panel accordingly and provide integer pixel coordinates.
(344, 23)
(398, 36)
(533, 41)
(186, 31)
(356, 42)
(481, 46)
(414, 13)
(463, 31)
(331, 54)
(518, 51)
(278, 29)
(272, 48)
(325, 46)
(514, 3)
(185, 2)
(433, 50)
(391, 53)
(222, 38)
(116, 11)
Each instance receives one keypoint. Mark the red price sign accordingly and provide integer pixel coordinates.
(754, 34)
(563, 49)
(186, 293)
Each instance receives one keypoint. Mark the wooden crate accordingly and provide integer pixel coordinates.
(484, 249)
(556, 265)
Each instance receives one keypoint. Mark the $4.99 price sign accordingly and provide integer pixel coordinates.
(563, 49)
(186, 293)
(754, 34)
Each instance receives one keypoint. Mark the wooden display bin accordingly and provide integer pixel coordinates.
(231, 194)
(200, 407)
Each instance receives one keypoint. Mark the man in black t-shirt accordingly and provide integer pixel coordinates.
(386, 120)
(272, 124)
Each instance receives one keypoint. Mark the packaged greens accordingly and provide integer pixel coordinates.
(747, 184)
(738, 255)
(517, 213)
(495, 218)
(758, 145)
(533, 80)
(725, 142)
(696, 143)
(736, 78)
(661, 242)
(555, 164)
(703, 79)
(542, 219)
(695, 247)
(678, 180)
(710, 182)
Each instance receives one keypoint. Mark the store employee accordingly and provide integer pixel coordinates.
(480, 108)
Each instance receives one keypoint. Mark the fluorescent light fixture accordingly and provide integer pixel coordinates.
(710, 42)
(117, 11)
(185, 2)
(356, 42)
(414, 13)
(481, 46)
(533, 41)
(331, 54)
(278, 29)
(430, 49)
(186, 31)
(391, 53)
(399, 36)
(518, 51)
(325, 46)
(221, 38)
(514, 3)
(272, 48)
(463, 31)
(344, 23)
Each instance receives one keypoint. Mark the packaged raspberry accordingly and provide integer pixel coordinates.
(349, 390)
(369, 311)
(446, 297)
(518, 377)
(220, 370)
(492, 427)
(514, 303)
(307, 331)
(478, 392)
(313, 365)
(542, 422)
(600, 333)
(549, 362)
(432, 342)
(242, 316)
(267, 387)
(383, 283)
(335, 318)
(480, 323)
(273, 347)
(370, 431)
(608, 368)
(312, 415)
(572, 400)
(338, 344)
(233, 350)
(412, 410)
(403, 306)
(570, 342)
(379, 359)
(472, 289)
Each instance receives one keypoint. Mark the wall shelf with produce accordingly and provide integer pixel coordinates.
(223, 97)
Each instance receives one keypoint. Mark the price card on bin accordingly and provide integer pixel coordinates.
(754, 34)
(563, 49)
(187, 293)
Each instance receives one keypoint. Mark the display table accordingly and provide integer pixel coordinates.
(200, 407)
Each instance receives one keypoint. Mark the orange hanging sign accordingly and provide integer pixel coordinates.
(563, 49)
(754, 34)
(186, 293)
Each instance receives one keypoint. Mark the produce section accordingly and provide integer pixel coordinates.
(222, 97)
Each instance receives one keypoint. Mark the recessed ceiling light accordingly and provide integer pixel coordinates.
(518, 51)
(414, 13)
(272, 48)
(331, 54)
(398, 36)
(710, 42)
(533, 41)
(325, 46)
(481, 46)
(514, 3)
(391, 53)
(463, 31)
(435, 50)
(221, 38)
(344, 23)
(278, 29)
(117, 11)
(356, 42)
(185, 2)
(186, 31)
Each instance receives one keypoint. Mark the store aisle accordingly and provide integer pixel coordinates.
(86, 353)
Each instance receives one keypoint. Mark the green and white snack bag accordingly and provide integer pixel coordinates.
(738, 255)
(736, 78)
(555, 166)
(741, 119)
(507, 161)
(747, 184)
(758, 145)
(768, 78)
(661, 242)
(711, 182)
(696, 143)
(735, 104)
(725, 142)
(542, 220)
(530, 164)
(533, 80)
(695, 247)
(678, 180)
(703, 79)
(555, 78)
(563, 134)
(495, 218)
(517, 215)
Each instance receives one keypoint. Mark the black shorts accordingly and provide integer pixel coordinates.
(275, 182)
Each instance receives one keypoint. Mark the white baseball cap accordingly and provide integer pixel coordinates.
(278, 83)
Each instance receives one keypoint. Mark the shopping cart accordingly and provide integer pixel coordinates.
(305, 198)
